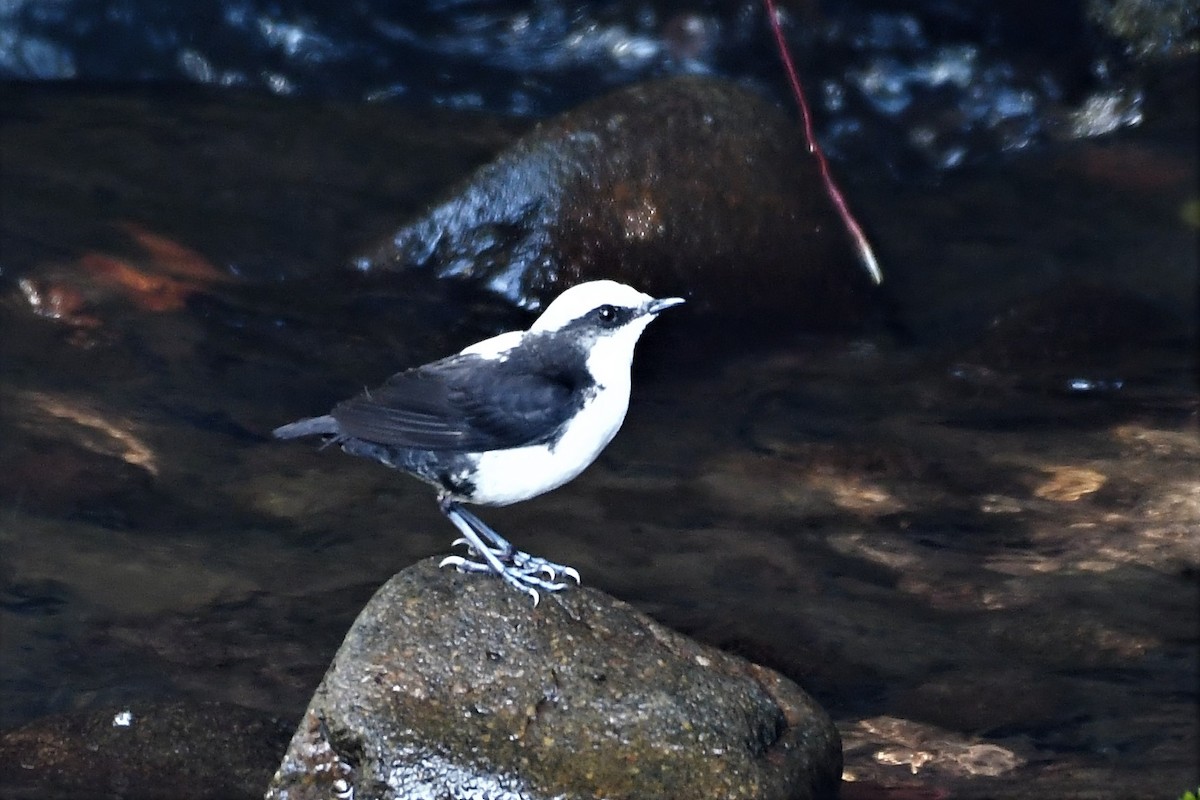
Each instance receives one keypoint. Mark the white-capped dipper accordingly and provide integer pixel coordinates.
(506, 419)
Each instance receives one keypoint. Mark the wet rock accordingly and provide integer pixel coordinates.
(453, 685)
(1078, 337)
(682, 186)
(180, 750)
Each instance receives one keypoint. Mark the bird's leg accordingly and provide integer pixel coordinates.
(522, 579)
(523, 561)
(503, 548)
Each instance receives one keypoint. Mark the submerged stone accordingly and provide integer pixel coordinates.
(688, 185)
(453, 685)
(1076, 337)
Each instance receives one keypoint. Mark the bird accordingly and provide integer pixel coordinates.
(504, 420)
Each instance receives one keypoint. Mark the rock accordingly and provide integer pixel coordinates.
(453, 685)
(683, 186)
(189, 751)
(1077, 337)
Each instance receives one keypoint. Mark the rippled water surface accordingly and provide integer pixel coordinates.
(971, 534)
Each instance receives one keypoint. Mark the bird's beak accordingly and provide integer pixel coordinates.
(658, 306)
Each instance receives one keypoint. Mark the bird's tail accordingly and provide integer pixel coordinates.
(307, 427)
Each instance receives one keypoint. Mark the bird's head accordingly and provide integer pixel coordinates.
(605, 306)
(607, 317)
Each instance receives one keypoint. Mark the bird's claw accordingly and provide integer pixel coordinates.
(518, 561)
(525, 575)
(532, 564)
(458, 562)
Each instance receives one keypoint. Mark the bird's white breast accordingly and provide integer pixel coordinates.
(510, 476)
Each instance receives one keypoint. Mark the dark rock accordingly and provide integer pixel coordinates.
(453, 685)
(186, 751)
(685, 186)
(1076, 323)
(1074, 337)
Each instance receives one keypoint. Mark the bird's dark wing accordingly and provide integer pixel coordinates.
(465, 403)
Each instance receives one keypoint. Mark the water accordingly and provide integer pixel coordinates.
(930, 87)
(972, 535)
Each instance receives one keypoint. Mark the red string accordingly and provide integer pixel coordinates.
(835, 194)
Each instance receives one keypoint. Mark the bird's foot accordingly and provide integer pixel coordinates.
(528, 582)
(489, 552)
(522, 571)
(524, 562)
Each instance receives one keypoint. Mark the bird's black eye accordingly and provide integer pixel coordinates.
(606, 315)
